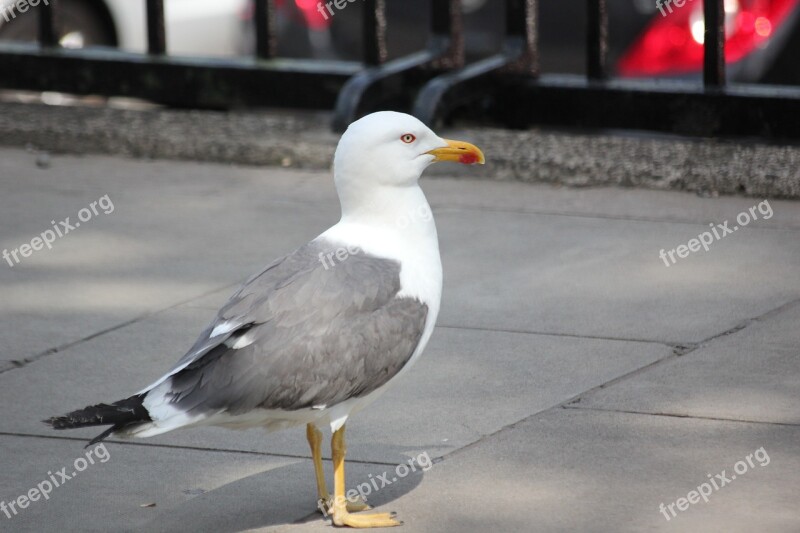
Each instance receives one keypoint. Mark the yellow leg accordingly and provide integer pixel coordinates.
(314, 437)
(324, 503)
(341, 516)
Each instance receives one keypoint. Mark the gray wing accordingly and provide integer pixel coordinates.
(301, 334)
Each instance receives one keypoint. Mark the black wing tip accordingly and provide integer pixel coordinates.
(59, 422)
(117, 415)
(64, 422)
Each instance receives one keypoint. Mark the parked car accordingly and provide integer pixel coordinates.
(193, 27)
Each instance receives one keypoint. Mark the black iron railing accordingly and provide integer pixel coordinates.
(435, 84)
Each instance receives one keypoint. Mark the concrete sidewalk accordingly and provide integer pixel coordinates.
(575, 382)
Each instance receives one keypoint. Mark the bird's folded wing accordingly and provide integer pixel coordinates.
(301, 334)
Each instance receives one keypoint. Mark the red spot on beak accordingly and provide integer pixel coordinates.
(468, 158)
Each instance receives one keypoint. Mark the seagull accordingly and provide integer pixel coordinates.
(320, 333)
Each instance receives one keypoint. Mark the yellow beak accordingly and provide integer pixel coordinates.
(459, 151)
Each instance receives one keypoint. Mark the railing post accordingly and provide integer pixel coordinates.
(47, 31)
(596, 39)
(264, 20)
(374, 32)
(156, 35)
(447, 22)
(522, 27)
(714, 44)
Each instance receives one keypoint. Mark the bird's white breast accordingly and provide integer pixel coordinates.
(406, 235)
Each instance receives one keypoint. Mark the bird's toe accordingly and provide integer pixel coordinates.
(367, 520)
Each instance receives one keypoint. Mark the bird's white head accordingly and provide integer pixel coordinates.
(389, 151)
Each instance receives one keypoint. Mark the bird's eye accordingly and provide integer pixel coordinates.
(408, 138)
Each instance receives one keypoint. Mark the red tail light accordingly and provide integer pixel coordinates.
(314, 18)
(673, 42)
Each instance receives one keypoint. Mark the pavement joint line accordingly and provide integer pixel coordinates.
(193, 448)
(678, 415)
(599, 216)
(561, 334)
(50, 351)
(690, 347)
(678, 351)
(684, 349)
(574, 398)
(21, 363)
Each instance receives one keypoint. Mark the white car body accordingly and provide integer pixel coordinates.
(193, 27)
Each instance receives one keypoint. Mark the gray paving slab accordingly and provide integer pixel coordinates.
(192, 490)
(603, 277)
(469, 384)
(752, 374)
(588, 471)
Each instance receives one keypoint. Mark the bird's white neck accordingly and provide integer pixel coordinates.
(387, 206)
(382, 215)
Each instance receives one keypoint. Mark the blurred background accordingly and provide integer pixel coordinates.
(762, 36)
